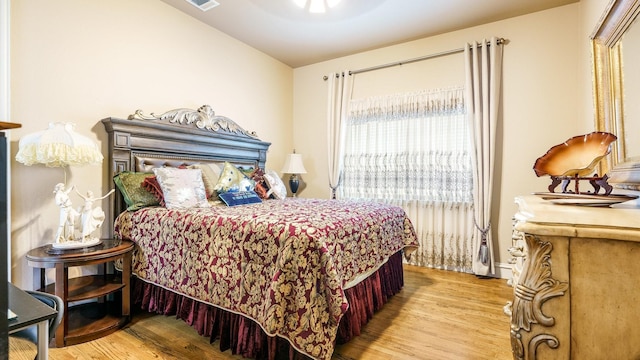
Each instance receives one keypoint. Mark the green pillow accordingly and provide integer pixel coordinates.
(135, 195)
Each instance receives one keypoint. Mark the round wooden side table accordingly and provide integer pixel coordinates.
(90, 319)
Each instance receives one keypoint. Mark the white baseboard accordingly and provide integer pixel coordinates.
(503, 270)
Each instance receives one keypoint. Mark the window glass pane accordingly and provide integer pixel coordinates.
(408, 147)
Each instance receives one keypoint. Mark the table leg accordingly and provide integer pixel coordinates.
(43, 281)
(126, 280)
(43, 340)
(62, 289)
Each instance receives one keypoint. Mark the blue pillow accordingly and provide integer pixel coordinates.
(233, 198)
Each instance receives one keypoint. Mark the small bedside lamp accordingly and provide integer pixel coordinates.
(293, 165)
(61, 146)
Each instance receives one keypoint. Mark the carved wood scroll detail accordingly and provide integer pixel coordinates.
(534, 287)
(203, 118)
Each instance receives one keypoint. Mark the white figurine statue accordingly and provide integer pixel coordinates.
(68, 214)
(91, 218)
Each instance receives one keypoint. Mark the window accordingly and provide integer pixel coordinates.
(408, 147)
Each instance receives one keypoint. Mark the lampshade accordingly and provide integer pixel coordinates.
(58, 146)
(293, 165)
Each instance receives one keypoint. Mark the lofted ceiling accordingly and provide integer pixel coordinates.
(297, 38)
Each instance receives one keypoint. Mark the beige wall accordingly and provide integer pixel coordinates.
(546, 96)
(81, 61)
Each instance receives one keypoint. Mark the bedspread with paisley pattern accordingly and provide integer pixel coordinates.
(282, 263)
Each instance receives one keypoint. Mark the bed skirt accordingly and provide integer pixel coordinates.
(245, 337)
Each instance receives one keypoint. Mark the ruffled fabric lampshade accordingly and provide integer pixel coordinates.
(60, 145)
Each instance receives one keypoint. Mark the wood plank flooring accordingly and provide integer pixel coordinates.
(437, 315)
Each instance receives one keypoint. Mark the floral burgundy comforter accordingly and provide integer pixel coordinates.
(282, 263)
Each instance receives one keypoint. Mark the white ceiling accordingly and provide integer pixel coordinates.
(289, 34)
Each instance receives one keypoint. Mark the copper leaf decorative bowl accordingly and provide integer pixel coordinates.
(576, 157)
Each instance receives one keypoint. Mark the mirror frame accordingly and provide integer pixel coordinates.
(623, 171)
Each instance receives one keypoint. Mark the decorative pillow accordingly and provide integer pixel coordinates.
(216, 202)
(261, 187)
(210, 176)
(233, 179)
(247, 171)
(262, 191)
(276, 186)
(182, 188)
(135, 195)
(150, 183)
(233, 198)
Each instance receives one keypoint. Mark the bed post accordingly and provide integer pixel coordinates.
(119, 146)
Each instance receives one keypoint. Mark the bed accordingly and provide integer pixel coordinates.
(279, 278)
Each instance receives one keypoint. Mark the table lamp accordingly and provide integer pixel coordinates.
(61, 146)
(293, 165)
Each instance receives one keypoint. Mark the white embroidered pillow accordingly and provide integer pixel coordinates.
(276, 186)
(182, 188)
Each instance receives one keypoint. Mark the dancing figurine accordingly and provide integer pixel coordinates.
(68, 214)
(91, 218)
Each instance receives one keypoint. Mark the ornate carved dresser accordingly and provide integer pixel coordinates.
(578, 293)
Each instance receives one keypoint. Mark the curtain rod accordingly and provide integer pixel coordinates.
(409, 61)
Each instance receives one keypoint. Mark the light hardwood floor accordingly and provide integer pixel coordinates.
(437, 315)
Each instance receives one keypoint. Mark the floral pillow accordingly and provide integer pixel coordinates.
(233, 179)
(135, 195)
(182, 188)
(276, 186)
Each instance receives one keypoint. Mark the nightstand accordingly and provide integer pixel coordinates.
(85, 319)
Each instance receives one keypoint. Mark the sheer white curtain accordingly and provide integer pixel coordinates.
(413, 150)
(339, 93)
(483, 64)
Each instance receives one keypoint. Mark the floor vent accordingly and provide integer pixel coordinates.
(204, 5)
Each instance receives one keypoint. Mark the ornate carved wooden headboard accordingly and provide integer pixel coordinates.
(174, 138)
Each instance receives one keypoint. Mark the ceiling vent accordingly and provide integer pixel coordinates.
(204, 5)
